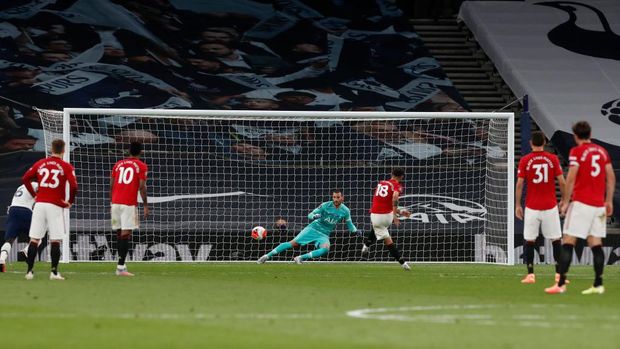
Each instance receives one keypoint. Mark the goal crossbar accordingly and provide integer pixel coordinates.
(279, 114)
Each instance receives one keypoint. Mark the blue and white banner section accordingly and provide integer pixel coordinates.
(565, 55)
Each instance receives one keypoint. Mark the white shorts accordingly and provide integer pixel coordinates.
(380, 224)
(124, 217)
(548, 221)
(47, 217)
(584, 220)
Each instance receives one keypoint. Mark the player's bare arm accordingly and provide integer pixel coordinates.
(28, 178)
(610, 187)
(562, 185)
(518, 196)
(73, 186)
(395, 209)
(570, 184)
(398, 212)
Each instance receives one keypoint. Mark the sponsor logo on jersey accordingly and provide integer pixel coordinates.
(331, 220)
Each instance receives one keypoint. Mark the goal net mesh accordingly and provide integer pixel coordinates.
(213, 178)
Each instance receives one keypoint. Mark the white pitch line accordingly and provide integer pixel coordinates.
(439, 315)
(168, 316)
(528, 317)
(368, 313)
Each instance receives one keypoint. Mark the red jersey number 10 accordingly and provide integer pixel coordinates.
(125, 175)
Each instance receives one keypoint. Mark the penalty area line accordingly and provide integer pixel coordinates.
(476, 315)
(169, 316)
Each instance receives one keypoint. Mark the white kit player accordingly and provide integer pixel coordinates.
(590, 185)
(539, 170)
(384, 212)
(52, 175)
(18, 220)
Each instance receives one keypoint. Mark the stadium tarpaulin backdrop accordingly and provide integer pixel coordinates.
(565, 56)
(289, 55)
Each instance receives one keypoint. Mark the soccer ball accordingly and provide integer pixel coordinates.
(259, 233)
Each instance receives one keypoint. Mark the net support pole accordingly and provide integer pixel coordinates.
(510, 234)
(526, 127)
(66, 137)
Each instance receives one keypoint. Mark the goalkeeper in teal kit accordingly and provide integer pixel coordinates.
(324, 220)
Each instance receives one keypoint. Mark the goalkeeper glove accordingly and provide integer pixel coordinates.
(316, 216)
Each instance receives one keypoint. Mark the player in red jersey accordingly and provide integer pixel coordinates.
(384, 212)
(52, 175)
(128, 178)
(590, 181)
(539, 169)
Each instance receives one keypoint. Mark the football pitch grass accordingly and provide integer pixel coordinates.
(243, 305)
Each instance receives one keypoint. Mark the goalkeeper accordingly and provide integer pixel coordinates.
(324, 220)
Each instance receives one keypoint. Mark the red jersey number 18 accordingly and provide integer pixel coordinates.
(382, 190)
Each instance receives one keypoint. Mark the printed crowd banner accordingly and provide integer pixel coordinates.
(242, 54)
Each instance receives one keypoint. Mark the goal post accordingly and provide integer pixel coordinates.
(215, 174)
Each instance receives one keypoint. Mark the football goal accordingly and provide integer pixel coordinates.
(216, 174)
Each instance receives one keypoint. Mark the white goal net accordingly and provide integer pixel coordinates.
(214, 175)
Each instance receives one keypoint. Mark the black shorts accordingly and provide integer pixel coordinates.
(18, 222)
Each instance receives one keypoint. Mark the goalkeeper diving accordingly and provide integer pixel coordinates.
(324, 219)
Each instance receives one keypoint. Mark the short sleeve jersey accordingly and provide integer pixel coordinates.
(382, 196)
(539, 170)
(591, 160)
(126, 176)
